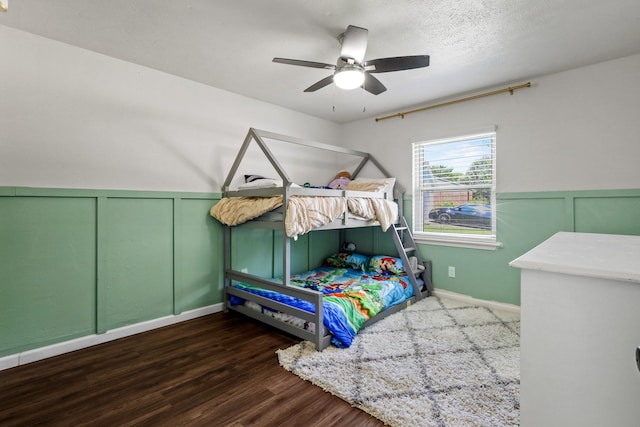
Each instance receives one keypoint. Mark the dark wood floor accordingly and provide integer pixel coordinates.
(218, 370)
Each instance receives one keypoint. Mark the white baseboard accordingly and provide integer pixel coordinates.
(471, 300)
(57, 349)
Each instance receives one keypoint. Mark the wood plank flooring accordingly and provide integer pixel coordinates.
(217, 370)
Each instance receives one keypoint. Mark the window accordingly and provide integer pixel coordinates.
(454, 190)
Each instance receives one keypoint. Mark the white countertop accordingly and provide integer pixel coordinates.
(606, 256)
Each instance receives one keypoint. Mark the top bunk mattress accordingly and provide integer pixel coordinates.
(305, 213)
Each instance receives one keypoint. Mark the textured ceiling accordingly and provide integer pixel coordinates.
(229, 44)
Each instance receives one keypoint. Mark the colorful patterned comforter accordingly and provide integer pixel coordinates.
(350, 298)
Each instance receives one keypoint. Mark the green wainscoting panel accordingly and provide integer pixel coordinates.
(308, 251)
(610, 215)
(363, 238)
(252, 249)
(200, 266)
(76, 262)
(261, 251)
(372, 241)
(322, 244)
(139, 260)
(299, 253)
(47, 271)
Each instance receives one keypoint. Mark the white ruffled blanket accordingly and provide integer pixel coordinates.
(306, 213)
(383, 210)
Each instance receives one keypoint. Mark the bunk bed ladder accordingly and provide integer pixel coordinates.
(407, 249)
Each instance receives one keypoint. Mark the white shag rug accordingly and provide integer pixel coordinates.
(440, 362)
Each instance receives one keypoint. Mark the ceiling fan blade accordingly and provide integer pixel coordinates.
(302, 63)
(399, 63)
(319, 85)
(373, 85)
(354, 43)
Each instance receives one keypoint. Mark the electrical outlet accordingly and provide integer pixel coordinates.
(452, 271)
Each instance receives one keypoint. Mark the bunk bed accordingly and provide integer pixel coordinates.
(331, 303)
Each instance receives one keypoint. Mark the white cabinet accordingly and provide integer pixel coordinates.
(580, 327)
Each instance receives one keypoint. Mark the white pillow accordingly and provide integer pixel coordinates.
(261, 183)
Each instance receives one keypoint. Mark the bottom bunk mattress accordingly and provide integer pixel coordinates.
(350, 298)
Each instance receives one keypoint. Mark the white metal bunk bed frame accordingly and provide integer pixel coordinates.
(402, 237)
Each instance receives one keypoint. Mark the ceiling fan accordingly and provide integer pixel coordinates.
(351, 71)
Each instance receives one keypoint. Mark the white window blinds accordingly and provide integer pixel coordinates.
(454, 186)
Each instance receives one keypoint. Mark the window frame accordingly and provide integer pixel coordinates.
(467, 240)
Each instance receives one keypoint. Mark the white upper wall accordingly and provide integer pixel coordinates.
(71, 118)
(576, 130)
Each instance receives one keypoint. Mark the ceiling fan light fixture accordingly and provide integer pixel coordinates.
(351, 71)
(349, 78)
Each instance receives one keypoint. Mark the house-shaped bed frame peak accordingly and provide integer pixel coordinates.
(259, 136)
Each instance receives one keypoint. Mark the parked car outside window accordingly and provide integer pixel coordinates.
(477, 215)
